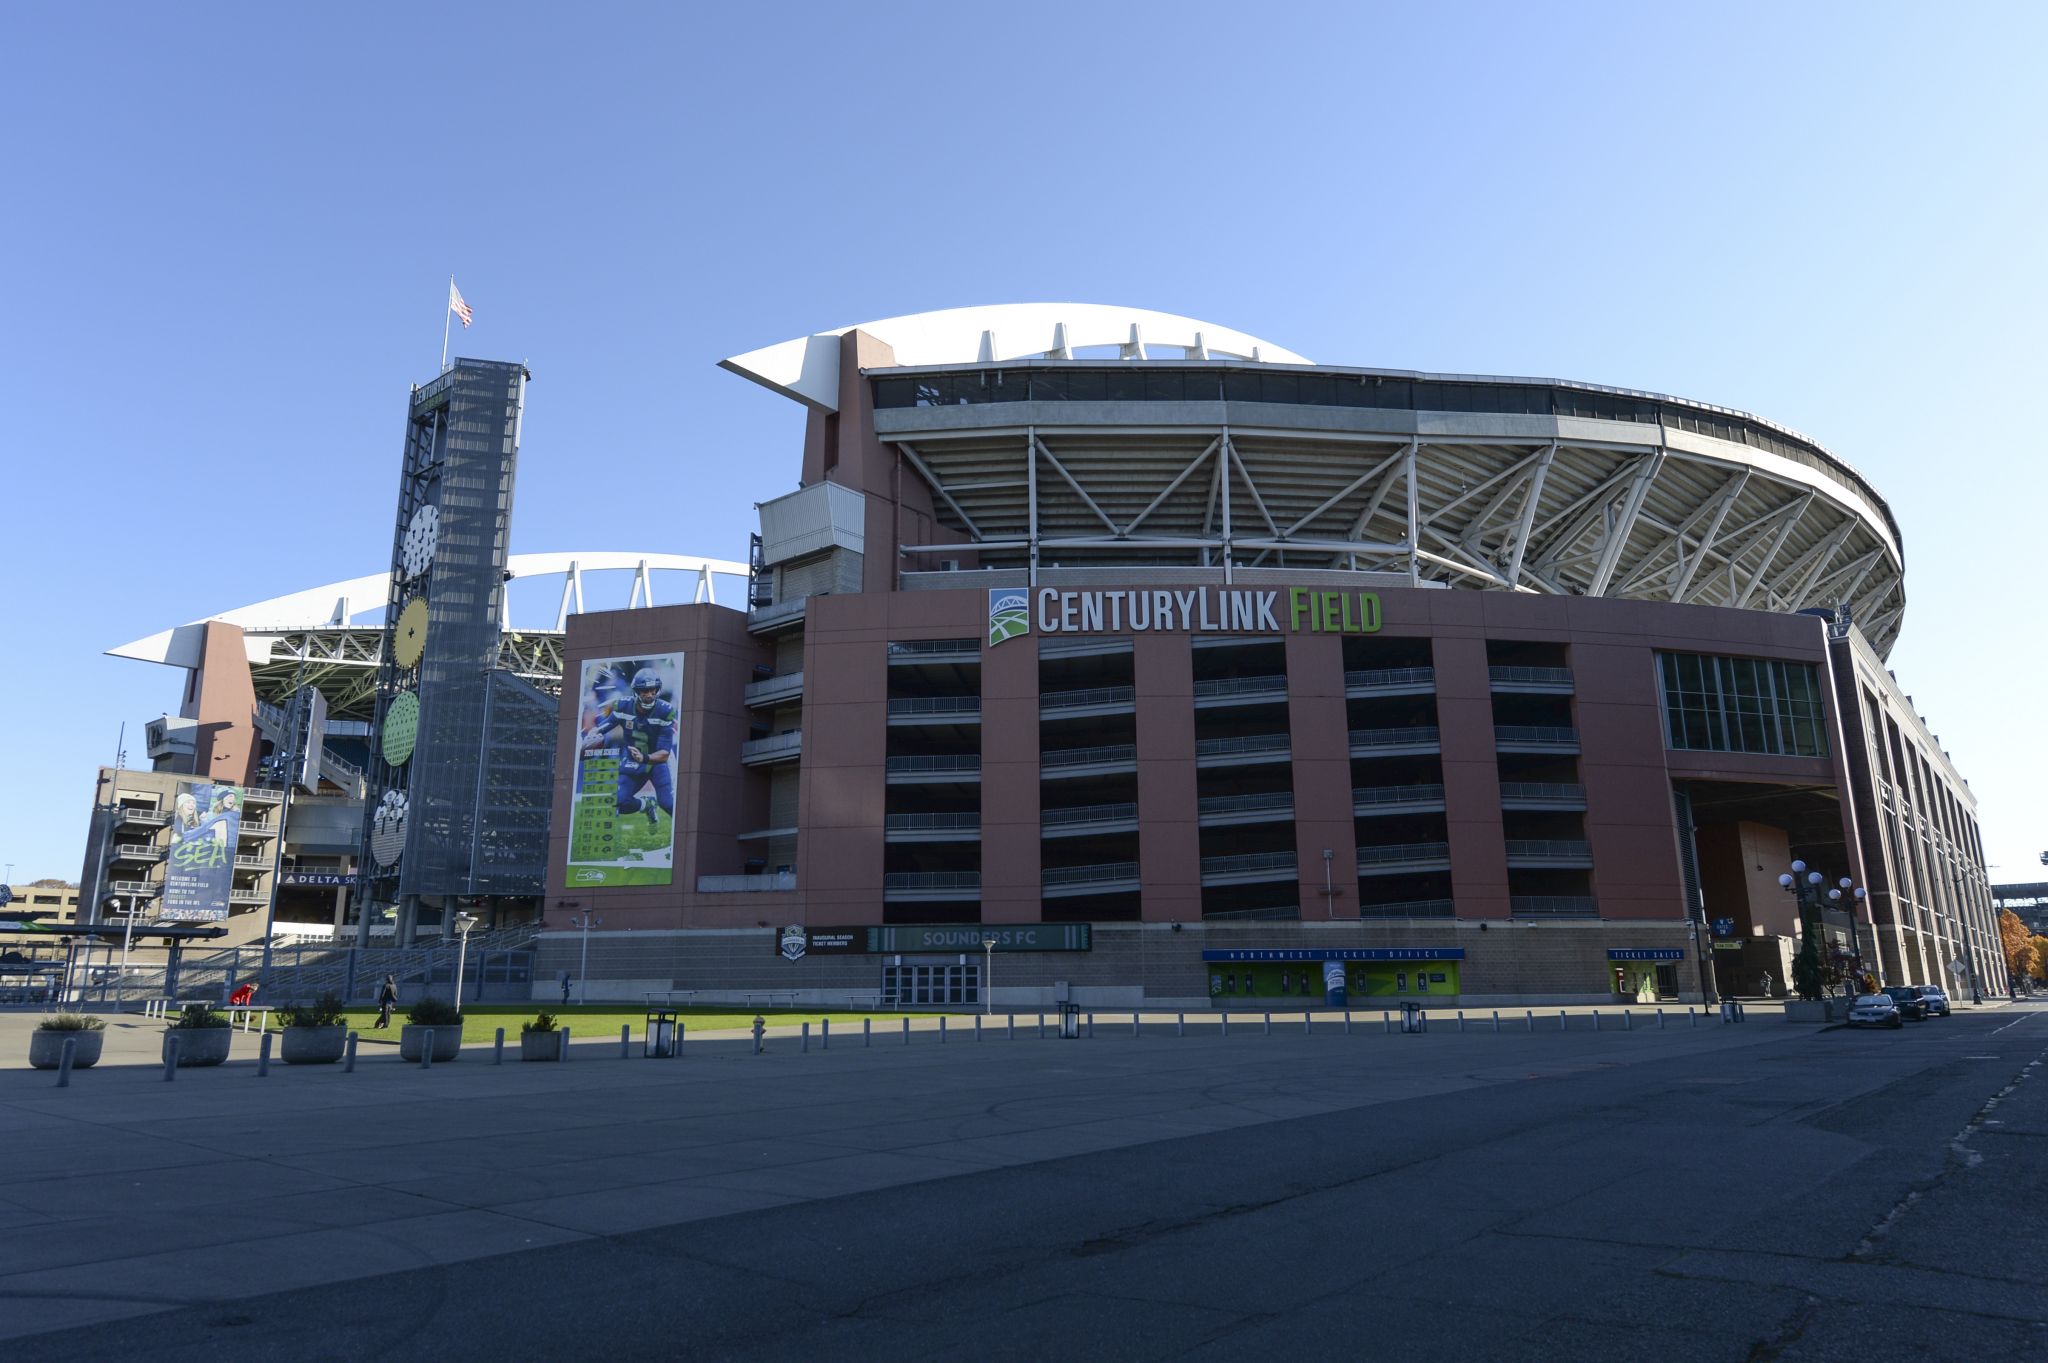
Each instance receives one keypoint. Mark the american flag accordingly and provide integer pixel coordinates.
(456, 305)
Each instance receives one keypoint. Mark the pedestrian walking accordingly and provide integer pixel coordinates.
(1767, 984)
(387, 999)
(562, 978)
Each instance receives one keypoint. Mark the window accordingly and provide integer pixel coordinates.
(1752, 705)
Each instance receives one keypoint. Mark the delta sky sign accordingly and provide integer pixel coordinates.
(1015, 611)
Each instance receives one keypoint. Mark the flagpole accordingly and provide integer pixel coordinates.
(446, 314)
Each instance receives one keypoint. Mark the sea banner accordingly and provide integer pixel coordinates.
(206, 824)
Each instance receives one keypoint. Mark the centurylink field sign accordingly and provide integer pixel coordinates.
(1015, 611)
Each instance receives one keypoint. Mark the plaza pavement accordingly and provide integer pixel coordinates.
(127, 1196)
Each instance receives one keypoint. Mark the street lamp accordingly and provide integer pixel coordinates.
(1806, 968)
(988, 975)
(463, 923)
(585, 920)
(1850, 891)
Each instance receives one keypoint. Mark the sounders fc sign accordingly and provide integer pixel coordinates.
(1219, 610)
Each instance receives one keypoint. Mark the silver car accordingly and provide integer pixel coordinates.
(1935, 999)
(1875, 1010)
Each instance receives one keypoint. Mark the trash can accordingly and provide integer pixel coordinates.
(661, 1034)
(1070, 1021)
(1413, 1019)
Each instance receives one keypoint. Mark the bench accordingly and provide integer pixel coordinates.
(765, 998)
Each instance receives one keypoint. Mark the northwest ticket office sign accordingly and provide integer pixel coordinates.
(1016, 611)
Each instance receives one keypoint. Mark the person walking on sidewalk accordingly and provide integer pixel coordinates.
(387, 999)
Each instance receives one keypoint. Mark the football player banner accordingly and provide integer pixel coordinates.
(206, 823)
(622, 811)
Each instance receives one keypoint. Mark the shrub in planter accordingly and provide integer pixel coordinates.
(46, 1043)
(203, 1036)
(431, 1023)
(539, 1039)
(313, 1032)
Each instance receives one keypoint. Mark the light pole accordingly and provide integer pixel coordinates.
(1806, 970)
(585, 921)
(1853, 893)
(988, 975)
(463, 923)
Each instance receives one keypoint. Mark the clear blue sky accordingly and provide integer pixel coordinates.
(225, 232)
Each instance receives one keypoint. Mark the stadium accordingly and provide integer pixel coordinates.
(1171, 666)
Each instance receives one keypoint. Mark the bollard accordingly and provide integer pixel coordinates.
(1305, 1028)
(1041, 1026)
(1660, 1019)
(977, 1026)
(1496, 1020)
(1692, 1019)
(625, 1040)
(263, 1056)
(71, 1049)
(562, 1046)
(1560, 1020)
(1091, 1026)
(1134, 1026)
(1226, 1025)
(1596, 1019)
(1180, 1024)
(1268, 1031)
(498, 1048)
(427, 1053)
(680, 1029)
(1347, 1022)
(906, 1031)
(1532, 1019)
(806, 1047)
(1011, 1023)
(1628, 1021)
(824, 1034)
(761, 1027)
(867, 1031)
(1461, 1021)
(942, 1029)
(1386, 1022)
(170, 1056)
(348, 1058)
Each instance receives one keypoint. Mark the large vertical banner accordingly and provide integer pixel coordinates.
(206, 821)
(622, 813)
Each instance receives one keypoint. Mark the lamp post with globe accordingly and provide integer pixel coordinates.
(1807, 979)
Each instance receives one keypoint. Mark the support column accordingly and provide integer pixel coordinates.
(1169, 818)
(1318, 735)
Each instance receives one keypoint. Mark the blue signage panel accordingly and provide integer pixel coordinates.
(1647, 954)
(1340, 954)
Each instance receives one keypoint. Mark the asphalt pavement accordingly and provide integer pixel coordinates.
(1757, 1192)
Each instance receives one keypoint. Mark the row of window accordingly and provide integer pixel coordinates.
(1749, 705)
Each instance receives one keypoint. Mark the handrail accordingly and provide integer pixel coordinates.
(911, 823)
(1542, 790)
(1101, 873)
(935, 705)
(935, 762)
(1241, 686)
(1249, 861)
(772, 880)
(1236, 804)
(931, 880)
(935, 648)
(1402, 852)
(1395, 795)
(1409, 908)
(1087, 695)
(1368, 677)
(1553, 905)
(1549, 847)
(1249, 743)
(1074, 757)
(1534, 733)
(1082, 815)
(1393, 738)
(773, 743)
(1530, 674)
(783, 683)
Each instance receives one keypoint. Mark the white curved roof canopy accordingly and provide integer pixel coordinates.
(807, 368)
(333, 604)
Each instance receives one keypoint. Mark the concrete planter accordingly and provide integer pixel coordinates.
(201, 1045)
(313, 1045)
(446, 1041)
(1817, 1010)
(45, 1049)
(540, 1045)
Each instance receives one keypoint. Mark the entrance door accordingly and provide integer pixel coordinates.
(936, 985)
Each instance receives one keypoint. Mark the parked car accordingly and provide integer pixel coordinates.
(1935, 999)
(1907, 997)
(1875, 1010)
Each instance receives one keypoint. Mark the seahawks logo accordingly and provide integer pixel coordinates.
(1008, 615)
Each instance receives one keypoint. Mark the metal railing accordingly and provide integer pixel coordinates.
(1553, 906)
(1271, 801)
(772, 880)
(1542, 790)
(1549, 849)
(1076, 757)
(932, 823)
(1394, 738)
(248, 896)
(773, 688)
(253, 863)
(778, 612)
(144, 851)
(1408, 908)
(1366, 679)
(772, 745)
(1276, 914)
(1401, 853)
(1249, 861)
(941, 649)
(931, 880)
(935, 764)
(269, 795)
(1396, 795)
(1534, 733)
(1104, 873)
(1082, 815)
(1214, 687)
(142, 887)
(910, 707)
(1051, 701)
(1546, 676)
(143, 817)
(1250, 743)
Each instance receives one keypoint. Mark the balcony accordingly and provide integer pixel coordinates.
(142, 818)
(1219, 811)
(1411, 738)
(1542, 795)
(1409, 908)
(761, 752)
(1396, 858)
(1534, 738)
(1250, 868)
(1061, 763)
(1241, 752)
(935, 651)
(1549, 852)
(775, 690)
(260, 828)
(138, 851)
(1221, 691)
(901, 886)
(145, 888)
(1083, 820)
(1542, 681)
(1091, 700)
(933, 769)
(750, 884)
(1553, 906)
(252, 863)
(783, 615)
(248, 896)
(262, 795)
(1416, 799)
(1390, 681)
(935, 710)
(1065, 882)
(953, 827)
